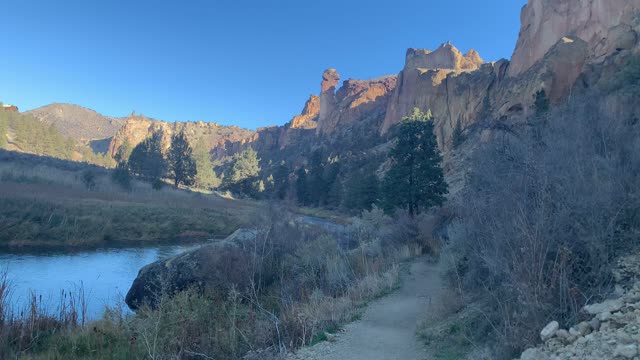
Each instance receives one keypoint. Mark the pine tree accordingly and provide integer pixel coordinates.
(302, 187)
(361, 190)
(124, 152)
(316, 185)
(415, 180)
(245, 165)
(181, 165)
(146, 160)
(242, 176)
(281, 181)
(206, 177)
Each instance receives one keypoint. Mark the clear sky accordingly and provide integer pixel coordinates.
(247, 63)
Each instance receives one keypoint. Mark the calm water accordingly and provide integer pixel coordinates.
(105, 274)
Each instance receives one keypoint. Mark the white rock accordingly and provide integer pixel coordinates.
(606, 306)
(533, 354)
(604, 316)
(626, 351)
(549, 331)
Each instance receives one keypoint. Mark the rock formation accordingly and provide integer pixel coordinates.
(218, 138)
(354, 102)
(605, 25)
(453, 86)
(308, 118)
(330, 79)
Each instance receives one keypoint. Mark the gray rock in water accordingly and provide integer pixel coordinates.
(216, 267)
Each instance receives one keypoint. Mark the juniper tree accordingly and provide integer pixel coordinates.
(146, 160)
(181, 165)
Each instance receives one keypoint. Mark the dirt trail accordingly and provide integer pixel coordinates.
(387, 330)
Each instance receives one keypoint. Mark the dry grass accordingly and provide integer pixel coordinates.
(48, 206)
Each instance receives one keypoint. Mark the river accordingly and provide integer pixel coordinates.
(104, 274)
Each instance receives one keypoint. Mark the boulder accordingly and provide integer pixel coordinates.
(608, 306)
(533, 354)
(214, 267)
(626, 351)
(549, 331)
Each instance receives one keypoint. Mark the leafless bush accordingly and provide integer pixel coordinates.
(545, 212)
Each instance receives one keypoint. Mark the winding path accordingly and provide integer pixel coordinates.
(387, 330)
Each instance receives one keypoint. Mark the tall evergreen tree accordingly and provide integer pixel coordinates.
(362, 190)
(302, 187)
(245, 165)
(181, 165)
(316, 185)
(242, 176)
(124, 152)
(206, 177)
(146, 160)
(281, 180)
(415, 180)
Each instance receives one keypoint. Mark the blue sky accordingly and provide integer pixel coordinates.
(245, 63)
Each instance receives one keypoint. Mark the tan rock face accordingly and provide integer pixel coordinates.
(330, 80)
(218, 138)
(453, 86)
(446, 56)
(605, 25)
(354, 102)
(309, 116)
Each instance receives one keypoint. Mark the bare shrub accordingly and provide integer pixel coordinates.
(545, 212)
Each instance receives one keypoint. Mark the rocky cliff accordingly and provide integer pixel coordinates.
(606, 26)
(218, 138)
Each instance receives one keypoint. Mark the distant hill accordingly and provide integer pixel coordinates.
(77, 122)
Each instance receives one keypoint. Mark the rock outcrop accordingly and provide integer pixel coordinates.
(452, 85)
(218, 138)
(213, 267)
(356, 101)
(7, 107)
(606, 26)
(330, 80)
(308, 118)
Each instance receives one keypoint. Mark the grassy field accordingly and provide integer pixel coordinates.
(50, 204)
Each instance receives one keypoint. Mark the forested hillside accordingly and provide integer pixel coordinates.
(24, 133)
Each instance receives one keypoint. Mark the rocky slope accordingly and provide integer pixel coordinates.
(77, 122)
(611, 329)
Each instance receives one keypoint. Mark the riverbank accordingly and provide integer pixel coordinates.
(39, 216)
